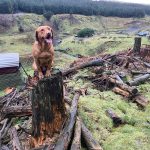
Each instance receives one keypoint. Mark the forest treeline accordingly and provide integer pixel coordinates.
(84, 7)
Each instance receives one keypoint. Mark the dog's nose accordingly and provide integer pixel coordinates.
(48, 35)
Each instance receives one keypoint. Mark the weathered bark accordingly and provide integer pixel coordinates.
(116, 120)
(6, 129)
(76, 144)
(16, 143)
(48, 108)
(121, 92)
(137, 45)
(90, 142)
(139, 80)
(4, 147)
(4, 122)
(147, 64)
(17, 111)
(97, 62)
(124, 87)
(141, 100)
(135, 72)
(44, 147)
(65, 137)
(119, 79)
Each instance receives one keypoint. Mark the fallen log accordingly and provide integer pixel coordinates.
(147, 64)
(16, 111)
(76, 144)
(121, 92)
(15, 140)
(139, 80)
(97, 62)
(90, 142)
(48, 108)
(141, 100)
(6, 129)
(21, 111)
(116, 120)
(65, 137)
(124, 87)
(135, 72)
(119, 79)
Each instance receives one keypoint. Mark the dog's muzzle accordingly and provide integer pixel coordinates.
(48, 38)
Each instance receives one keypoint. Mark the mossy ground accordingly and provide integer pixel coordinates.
(135, 135)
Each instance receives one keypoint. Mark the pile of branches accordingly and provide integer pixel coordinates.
(13, 106)
(122, 73)
(16, 106)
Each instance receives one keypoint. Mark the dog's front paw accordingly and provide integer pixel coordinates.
(41, 76)
(48, 73)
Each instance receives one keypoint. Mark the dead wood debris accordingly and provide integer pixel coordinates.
(110, 73)
(17, 137)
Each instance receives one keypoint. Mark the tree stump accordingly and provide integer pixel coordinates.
(137, 45)
(48, 108)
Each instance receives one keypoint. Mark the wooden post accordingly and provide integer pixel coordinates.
(137, 45)
(48, 108)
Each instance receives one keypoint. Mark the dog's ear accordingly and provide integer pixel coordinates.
(36, 36)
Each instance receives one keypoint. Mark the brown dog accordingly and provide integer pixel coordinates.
(43, 51)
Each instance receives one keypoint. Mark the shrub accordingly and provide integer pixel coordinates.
(48, 15)
(20, 28)
(85, 32)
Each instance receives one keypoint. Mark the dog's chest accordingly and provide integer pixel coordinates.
(45, 57)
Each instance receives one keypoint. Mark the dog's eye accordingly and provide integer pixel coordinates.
(42, 29)
(48, 28)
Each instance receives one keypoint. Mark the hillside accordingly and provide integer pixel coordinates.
(108, 32)
(112, 34)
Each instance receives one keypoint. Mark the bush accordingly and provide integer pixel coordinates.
(48, 15)
(85, 32)
(20, 28)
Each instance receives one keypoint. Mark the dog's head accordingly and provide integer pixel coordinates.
(44, 34)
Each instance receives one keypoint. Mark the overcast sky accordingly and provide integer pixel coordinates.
(136, 1)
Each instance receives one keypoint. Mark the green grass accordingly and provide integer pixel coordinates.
(135, 134)
(12, 43)
(12, 40)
